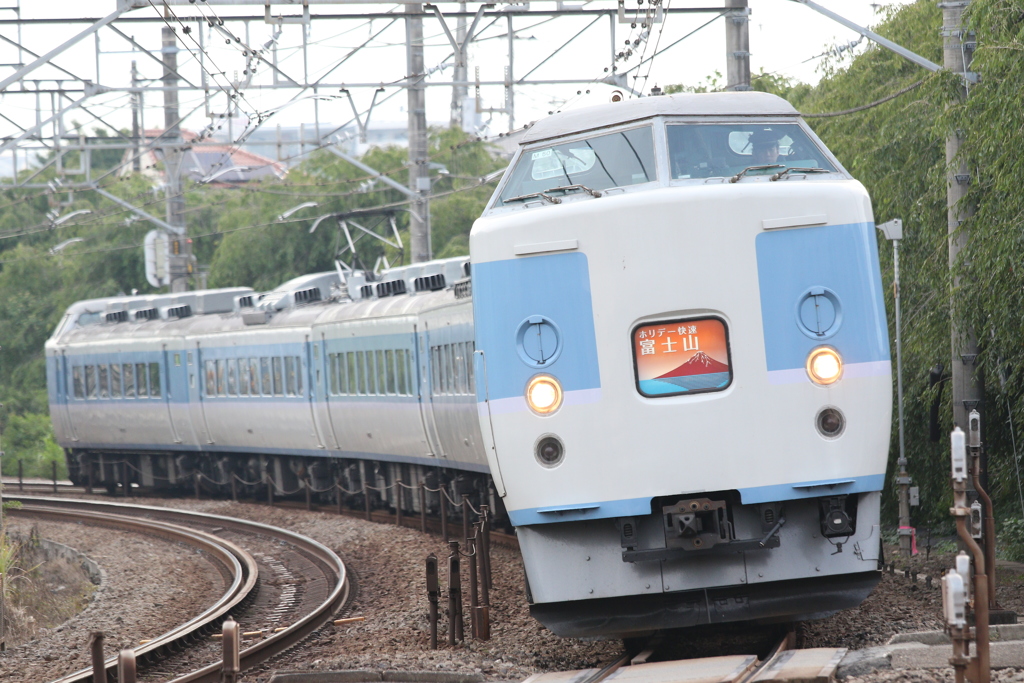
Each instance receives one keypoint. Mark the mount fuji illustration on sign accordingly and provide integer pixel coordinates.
(681, 357)
(700, 363)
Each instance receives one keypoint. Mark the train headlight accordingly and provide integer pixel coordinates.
(549, 450)
(824, 365)
(544, 394)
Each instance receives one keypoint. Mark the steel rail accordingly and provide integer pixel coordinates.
(234, 563)
(324, 557)
(787, 643)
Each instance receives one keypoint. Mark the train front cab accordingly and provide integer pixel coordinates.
(649, 492)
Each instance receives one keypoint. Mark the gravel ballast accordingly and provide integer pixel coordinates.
(387, 563)
(151, 586)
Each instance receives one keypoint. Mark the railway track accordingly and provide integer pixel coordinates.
(411, 521)
(318, 586)
(782, 663)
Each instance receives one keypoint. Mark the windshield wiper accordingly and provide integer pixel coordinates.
(584, 188)
(765, 167)
(532, 195)
(797, 169)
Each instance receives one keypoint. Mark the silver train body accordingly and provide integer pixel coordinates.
(675, 386)
(305, 386)
(703, 329)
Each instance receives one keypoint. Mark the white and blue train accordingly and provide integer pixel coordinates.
(671, 359)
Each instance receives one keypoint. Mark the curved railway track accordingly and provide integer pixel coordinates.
(323, 570)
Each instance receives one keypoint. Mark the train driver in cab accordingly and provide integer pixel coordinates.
(764, 147)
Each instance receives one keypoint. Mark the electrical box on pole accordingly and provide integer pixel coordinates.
(157, 251)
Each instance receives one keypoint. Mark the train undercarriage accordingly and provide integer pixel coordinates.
(354, 483)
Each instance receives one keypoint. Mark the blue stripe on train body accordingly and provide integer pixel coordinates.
(505, 293)
(841, 258)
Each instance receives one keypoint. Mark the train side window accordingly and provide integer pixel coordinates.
(351, 373)
(448, 371)
(254, 376)
(268, 387)
(115, 380)
(243, 376)
(460, 368)
(101, 376)
(337, 381)
(76, 381)
(389, 364)
(400, 387)
(371, 383)
(361, 374)
(154, 380)
(289, 374)
(382, 373)
(332, 374)
(177, 360)
(129, 380)
(90, 381)
(298, 375)
(371, 375)
(409, 367)
(222, 389)
(188, 357)
(232, 377)
(435, 370)
(140, 380)
(342, 373)
(278, 376)
(211, 378)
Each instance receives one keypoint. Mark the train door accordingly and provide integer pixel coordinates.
(425, 393)
(323, 388)
(454, 414)
(63, 392)
(168, 390)
(314, 379)
(196, 382)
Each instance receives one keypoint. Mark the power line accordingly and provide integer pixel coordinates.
(853, 110)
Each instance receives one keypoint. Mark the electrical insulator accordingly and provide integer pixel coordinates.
(959, 454)
(954, 600)
(963, 568)
(976, 519)
(974, 429)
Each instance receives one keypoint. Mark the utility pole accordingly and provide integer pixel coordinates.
(419, 179)
(459, 90)
(136, 100)
(737, 45)
(893, 231)
(180, 259)
(957, 52)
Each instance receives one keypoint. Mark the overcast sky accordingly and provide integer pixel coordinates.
(785, 38)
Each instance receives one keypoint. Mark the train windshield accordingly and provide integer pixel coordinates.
(595, 163)
(714, 150)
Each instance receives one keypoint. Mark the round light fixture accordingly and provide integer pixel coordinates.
(543, 394)
(830, 422)
(550, 451)
(824, 366)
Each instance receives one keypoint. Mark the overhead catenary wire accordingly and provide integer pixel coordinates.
(392, 205)
(853, 110)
